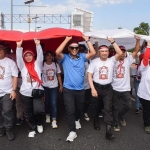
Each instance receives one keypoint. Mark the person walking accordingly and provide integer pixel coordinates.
(8, 86)
(100, 73)
(73, 87)
(31, 70)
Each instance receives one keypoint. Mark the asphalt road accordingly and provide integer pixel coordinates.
(131, 137)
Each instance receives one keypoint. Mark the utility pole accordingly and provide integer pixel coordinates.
(29, 19)
(35, 21)
(11, 14)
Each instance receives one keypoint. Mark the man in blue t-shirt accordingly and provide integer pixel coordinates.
(73, 87)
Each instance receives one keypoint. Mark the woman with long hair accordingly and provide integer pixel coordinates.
(31, 79)
(51, 77)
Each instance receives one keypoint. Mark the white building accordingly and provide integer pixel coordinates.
(81, 20)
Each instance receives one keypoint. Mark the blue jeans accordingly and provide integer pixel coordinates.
(136, 86)
(51, 95)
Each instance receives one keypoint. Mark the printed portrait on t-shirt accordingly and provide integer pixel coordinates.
(29, 78)
(103, 73)
(50, 74)
(120, 71)
(2, 72)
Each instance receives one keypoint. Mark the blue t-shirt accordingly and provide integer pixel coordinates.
(74, 71)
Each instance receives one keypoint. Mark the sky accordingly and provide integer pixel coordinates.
(108, 14)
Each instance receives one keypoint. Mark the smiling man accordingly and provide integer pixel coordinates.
(73, 87)
(8, 82)
(100, 73)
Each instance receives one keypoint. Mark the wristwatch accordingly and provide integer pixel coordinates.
(88, 40)
(14, 90)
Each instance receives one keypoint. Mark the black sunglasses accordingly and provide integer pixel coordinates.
(76, 48)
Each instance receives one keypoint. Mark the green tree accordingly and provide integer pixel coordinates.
(142, 29)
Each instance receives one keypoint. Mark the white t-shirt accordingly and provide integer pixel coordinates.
(102, 70)
(121, 75)
(26, 87)
(86, 82)
(49, 75)
(144, 86)
(11, 56)
(8, 69)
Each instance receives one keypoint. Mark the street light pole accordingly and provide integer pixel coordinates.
(38, 28)
(11, 14)
(35, 21)
(29, 20)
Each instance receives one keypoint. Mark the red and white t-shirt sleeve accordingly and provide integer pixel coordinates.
(130, 59)
(14, 69)
(113, 59)
(19, 58)
(39, 58)
(58, 69)
(91, 67)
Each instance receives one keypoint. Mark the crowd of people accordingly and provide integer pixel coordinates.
(96, 75)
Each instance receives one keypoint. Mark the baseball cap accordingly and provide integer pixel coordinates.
(122, 48)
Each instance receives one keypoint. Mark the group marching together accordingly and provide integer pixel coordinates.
(98, 76)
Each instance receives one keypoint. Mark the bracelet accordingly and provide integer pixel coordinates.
(14, 90)
(113, 42)
(87, 40)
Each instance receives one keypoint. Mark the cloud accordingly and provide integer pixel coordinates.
(57, 8)
(101, 2)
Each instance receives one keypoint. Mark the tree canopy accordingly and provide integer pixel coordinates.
(142, 29)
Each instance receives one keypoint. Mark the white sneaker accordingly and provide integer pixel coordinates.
(48, 119)
(72, 135)
(86, 117)
(40, 129)
(54, 125)
(78, 125)
(32, 134)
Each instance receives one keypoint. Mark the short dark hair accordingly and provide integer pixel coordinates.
(2, 47)
(48, 52)
(103, 46)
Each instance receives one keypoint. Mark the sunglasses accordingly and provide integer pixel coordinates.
(74, 48)
(123, 51)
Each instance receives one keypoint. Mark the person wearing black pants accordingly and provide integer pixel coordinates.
(105, 94)
(100, 73)
(33, 109)
(31, 70)
(8, 86)
(146, 113)
(73, 86)
(73, 98)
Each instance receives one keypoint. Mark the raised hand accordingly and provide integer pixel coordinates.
(19, 43)
(86, 38)
(37, 42)
(68, 38)
(111, 40)
(136, 37)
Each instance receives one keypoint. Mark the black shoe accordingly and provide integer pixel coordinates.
(140, 109)
(10, 135)
(96, 124)
(109, 135)
(19, 121)
(2, 132)
(137, 111)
